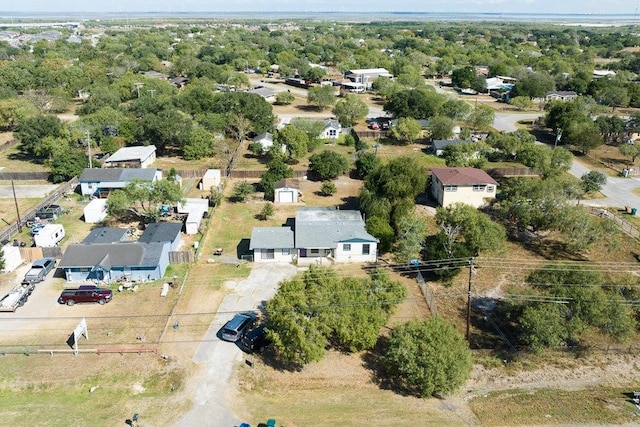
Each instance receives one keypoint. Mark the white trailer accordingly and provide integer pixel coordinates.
(17, 297)
(49, 236)
(95, 211)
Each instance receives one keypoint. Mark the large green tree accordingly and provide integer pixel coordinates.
(31, 130)
(428, 357)
(416, 103)
(322, 96)
(406, 130)
(319, 309)
(349, 110)
(328, 164)
(143, 199)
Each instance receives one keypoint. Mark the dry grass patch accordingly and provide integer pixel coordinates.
(601, 405)
(336, 391)
(13, 160)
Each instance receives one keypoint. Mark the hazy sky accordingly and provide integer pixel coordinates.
(501, 6)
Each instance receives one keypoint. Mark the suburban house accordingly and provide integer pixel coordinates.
(97, 181)
(267, 94)
(560, 95)
(462, 185)
(367, 76)
(110, 262)
(160, 232)
(332, 129)
(264, 139)
(105, 235)
(286, 191)
(179, 81)
(272, 244)
(322, 234)
(132, 157)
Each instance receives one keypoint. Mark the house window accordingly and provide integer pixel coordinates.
(286, 251)
(450, 188)
(332, 132)
(267, 254)
(315, 251)
(479, 187)
(490, 188)
(346, 247)
(366, 249)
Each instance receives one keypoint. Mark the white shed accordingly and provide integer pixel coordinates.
(286, 191)
(12, 257)
(195, 208)
(95, 211)
(49, 236)
(211, 178)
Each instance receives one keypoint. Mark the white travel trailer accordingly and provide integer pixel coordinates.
(49, 236)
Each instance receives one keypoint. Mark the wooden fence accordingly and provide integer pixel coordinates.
(257, 174)
(376, 134)
(625, 226)
(13, 229)
(510, 172)
(182, 257)
(34, 253)
(431, 302)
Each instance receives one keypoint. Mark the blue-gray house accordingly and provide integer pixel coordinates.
(159, 232)
(110, 262)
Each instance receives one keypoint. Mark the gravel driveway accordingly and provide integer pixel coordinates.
(220, 357)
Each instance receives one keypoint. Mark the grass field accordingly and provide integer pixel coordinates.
(598, 405)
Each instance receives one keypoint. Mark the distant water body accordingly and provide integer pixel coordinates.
(570, 19)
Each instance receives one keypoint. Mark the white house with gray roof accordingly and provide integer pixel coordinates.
(321, 234)
(94, 181)
(132, 157)
(332, 129)
(272, 244)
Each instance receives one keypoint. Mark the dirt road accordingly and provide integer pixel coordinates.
(210, 391)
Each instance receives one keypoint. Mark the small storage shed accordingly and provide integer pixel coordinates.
(211, 178)
(95, 211)
(49, 236)
(286, 191)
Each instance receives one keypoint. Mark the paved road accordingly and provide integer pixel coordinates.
(507, 122)
(219, 357)
(26, 191)
(618, 191)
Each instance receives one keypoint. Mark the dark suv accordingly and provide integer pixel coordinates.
(255, 340)
(236, 327)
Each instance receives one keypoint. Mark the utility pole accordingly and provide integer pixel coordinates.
(138, 86)
(15, 200)
(89, 148)
(469, 297)
(152, 92)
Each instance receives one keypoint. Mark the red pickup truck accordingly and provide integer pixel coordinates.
(85, 294)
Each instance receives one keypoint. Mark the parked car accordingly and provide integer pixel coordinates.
(255, 340)
(374, 126)
(39, 270)
(36, 229)
(237, 326)
(85, 294)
